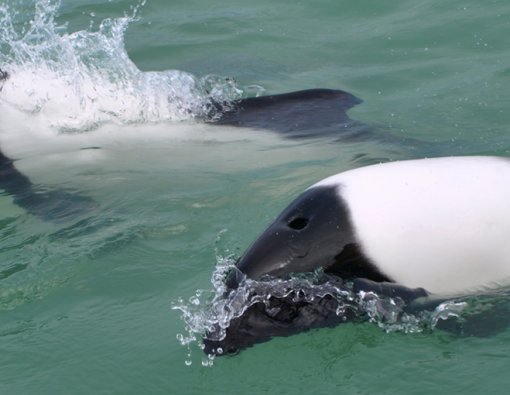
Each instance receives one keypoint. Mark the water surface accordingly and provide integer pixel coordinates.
(86, 302)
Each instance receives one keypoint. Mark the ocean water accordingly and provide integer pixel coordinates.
(95, 302)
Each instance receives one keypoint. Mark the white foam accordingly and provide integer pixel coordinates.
(79, 81)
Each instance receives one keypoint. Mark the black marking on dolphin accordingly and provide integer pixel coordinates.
(294, 313)
(320, 113)
(302, 114)
(314, 231)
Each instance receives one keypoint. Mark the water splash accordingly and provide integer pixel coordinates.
(394, 315)
(209, 313)
(79, 81)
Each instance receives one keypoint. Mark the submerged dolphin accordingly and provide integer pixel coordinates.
(308, 113)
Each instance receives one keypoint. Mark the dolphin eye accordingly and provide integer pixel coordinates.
(298, 223)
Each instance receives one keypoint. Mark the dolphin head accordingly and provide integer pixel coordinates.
(310, 233)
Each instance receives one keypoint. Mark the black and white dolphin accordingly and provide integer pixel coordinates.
(303, 114)
(411, 230)
(440, 224)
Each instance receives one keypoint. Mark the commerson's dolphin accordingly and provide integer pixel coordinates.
(303, 114)
(442, 224)
(406, 229)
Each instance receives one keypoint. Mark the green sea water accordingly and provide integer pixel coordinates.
(86, 306)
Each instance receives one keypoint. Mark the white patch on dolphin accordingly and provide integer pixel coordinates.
(441, 224)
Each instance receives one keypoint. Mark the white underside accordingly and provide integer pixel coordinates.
(441, 224)
(41, 150)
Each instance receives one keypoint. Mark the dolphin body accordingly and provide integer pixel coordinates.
(303, 114)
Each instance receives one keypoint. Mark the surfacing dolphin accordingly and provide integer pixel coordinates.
(402, 229)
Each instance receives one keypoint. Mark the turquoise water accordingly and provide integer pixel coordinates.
(86, 303)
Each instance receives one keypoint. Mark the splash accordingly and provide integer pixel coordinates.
(206, 310)
(79, 81)
(210, 314)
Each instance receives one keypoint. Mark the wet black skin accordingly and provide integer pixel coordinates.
(257, 325)
(313, 232)
(296, 115)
